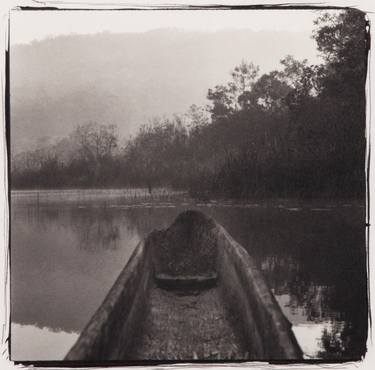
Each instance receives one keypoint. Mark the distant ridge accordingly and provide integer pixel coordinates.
(126, 79)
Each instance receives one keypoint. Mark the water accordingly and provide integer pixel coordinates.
(65, 256)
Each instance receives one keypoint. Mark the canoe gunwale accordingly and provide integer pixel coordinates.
(259, 308)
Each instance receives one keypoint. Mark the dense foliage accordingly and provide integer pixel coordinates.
(297, 131)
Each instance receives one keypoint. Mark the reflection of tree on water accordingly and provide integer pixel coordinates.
(40, 217)
(93, 227)
(342, 340)
(345, 305)
(286, 277)
(96, 228)
(333, 341)
(101, 227)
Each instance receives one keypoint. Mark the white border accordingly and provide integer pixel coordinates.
(5, 5)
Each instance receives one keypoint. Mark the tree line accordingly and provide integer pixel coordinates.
(299, 130)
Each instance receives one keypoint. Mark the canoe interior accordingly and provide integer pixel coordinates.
(189, 292)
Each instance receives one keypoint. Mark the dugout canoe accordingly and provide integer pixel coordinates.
(189, 292)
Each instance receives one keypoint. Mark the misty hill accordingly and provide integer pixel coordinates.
(126, 79)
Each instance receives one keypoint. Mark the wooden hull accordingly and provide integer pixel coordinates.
(190, 292)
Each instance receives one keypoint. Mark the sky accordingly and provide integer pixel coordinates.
(28, 26)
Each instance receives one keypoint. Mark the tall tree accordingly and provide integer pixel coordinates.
(343, 42)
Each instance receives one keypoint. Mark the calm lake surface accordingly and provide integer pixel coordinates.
(68, 247)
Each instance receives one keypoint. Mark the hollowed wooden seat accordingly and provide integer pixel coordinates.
(177, 282)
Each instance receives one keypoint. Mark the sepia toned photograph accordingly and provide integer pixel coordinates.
(188, 185)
